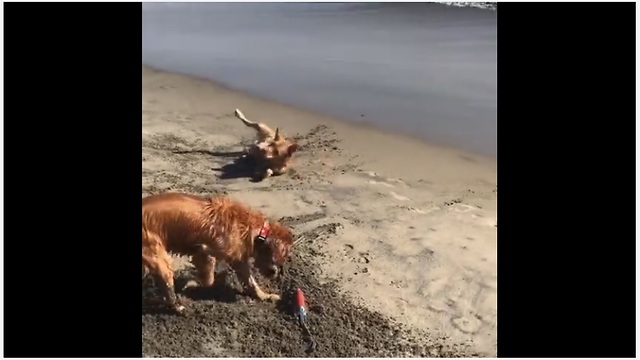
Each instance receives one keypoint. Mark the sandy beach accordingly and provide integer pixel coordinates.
(413, 227)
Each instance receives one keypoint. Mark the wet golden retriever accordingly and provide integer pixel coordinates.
(272, 151)
(210, 229)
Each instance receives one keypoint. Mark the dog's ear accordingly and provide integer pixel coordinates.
(292, 148)
(277, 137)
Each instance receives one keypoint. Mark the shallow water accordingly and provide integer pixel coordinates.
(421, 68)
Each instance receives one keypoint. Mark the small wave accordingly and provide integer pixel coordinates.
(480, 5)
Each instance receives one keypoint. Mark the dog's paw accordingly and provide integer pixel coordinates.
(267, 174)
(189, 284)
(179, 310)
(272, 297)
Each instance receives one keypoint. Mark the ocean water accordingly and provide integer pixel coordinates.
(429, 70)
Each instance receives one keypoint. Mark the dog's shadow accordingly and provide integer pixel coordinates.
(211, 153)
(239, 167)
(223, 290)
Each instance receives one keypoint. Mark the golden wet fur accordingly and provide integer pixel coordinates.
(209, 229)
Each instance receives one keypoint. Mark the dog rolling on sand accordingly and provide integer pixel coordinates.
(271, 150)
(210, 229)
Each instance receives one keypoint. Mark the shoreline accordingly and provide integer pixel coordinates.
(354, 124)
(409, 229)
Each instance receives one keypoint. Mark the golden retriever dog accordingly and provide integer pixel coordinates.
(271, 150)
(207, 230)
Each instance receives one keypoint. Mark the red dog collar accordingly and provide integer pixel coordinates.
(264, 232)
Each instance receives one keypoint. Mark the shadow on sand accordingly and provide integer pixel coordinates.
(239, 167)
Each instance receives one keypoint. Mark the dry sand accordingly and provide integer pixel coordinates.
(417, 234)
